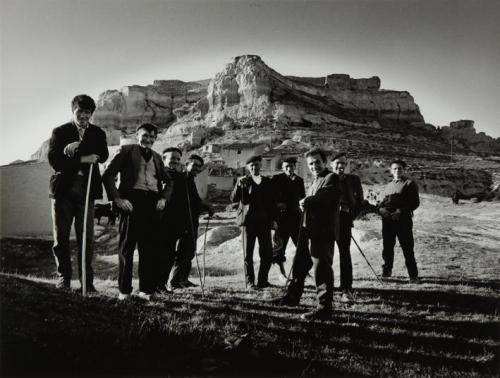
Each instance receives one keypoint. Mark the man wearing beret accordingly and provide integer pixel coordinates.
(257, 216)
(289, 190)
(145, 188)
(351, 198)
(73, 147)
(181, 220)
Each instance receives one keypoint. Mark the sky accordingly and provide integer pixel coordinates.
(445, 53)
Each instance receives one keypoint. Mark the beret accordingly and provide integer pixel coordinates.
(253, 158)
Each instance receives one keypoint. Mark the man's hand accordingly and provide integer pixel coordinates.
(160, 205)
(396, 215)
(242, 182)
(71, 148)
(302, 203)
(89, 159)
(210, 211)
(281, 206)
(384, 212)
(124, 205)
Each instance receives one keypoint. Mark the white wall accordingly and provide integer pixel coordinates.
(25, 203)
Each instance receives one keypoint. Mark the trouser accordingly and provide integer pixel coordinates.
(403, 230)
(288, 227)
(186, 250)
(262, 232)
(139, 228)
(317, 254)
(344, 245)
(64, 210)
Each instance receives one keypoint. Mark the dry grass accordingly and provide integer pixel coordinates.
(446, 327)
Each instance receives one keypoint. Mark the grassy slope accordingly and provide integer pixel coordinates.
(448, 326)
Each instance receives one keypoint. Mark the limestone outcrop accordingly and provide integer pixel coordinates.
(463, 135)
(130, 106)
(248, 91)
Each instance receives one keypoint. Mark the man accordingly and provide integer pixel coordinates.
(399, 200)
(351, 198)
(257, 218)
(180, 222)
(144, 190)
(289, 190)
(73, 147)
(319, 230)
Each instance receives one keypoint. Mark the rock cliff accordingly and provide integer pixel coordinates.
(462, 134)
(125, 109)
(248, 91)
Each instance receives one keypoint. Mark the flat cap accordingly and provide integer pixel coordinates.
(253, 158)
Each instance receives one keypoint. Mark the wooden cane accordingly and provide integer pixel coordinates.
(84, 241)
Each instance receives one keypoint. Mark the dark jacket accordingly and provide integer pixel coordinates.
(319, 207)
(401, 195)
(177, 210)
(352, 191)
(66, 168)
(257, 202)
(126, 162)
(288, 192)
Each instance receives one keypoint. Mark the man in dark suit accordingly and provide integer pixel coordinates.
(144, 190)
(399, 199)
(351, 198)
(181, 220)
(73, 147)
(289, 190)
(257, 217)
(318, 230)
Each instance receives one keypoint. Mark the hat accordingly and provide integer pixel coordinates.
(253, 158)
(149, 127)
(339, 155)
(290, 160)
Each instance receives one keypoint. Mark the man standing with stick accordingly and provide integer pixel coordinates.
(73, 148)
(189, 206)
(256, 193)
(351, 198)
(317, 232)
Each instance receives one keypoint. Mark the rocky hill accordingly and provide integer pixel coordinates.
(249, 101)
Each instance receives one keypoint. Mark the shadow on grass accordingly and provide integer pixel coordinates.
(49, 332)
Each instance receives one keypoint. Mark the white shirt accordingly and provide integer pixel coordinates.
(257, 179)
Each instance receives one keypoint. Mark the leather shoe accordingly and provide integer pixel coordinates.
(284, 301)
(317, 314)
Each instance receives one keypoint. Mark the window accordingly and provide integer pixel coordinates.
(267, 164)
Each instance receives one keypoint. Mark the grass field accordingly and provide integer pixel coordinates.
(448, 326)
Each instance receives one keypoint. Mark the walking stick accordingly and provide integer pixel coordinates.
(205, 247)
(362, 254)
(194, 241)
(84, 241)
(243, 237)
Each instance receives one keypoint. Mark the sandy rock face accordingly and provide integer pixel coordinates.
(247, 89)
(130, 106)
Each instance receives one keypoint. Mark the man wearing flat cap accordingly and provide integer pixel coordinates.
(349, 206)
(289, 190)
(181, 221)
(256, 215)
(144, 189)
